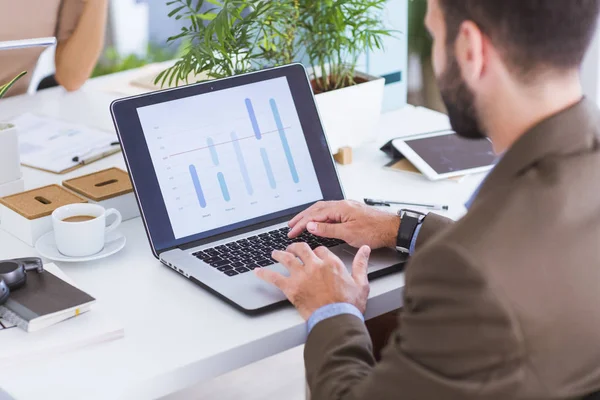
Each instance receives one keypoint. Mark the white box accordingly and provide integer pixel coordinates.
(350, 115)
(8, 188)
(126, 204)
(110, 188)
(28, 215)
(22, 228)
(10, 163)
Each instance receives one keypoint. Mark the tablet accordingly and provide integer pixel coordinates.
(444, 154)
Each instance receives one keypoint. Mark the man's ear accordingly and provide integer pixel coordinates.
(470, 52)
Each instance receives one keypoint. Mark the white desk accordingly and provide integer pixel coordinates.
(176, 334)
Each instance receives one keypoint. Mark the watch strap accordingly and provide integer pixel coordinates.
(409, 221)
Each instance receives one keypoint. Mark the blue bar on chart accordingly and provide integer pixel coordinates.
(241, 162)
(223, 185)
(197, 186)
(268, 169)
(284, 142)
(213, 151)
(253, 120)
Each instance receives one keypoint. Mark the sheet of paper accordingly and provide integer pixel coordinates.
(51, 144)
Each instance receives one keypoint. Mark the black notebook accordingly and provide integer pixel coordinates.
(45, 300)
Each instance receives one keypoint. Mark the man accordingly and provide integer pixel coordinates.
(505, 303)
(78, 25)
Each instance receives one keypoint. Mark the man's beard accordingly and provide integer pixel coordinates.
(459, 101)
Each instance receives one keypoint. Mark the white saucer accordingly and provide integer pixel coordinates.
(46, 246)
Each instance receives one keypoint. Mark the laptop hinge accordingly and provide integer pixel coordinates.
(236, 232)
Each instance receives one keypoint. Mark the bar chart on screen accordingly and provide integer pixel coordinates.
(229, 156)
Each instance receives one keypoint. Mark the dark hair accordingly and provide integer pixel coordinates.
(530, 34)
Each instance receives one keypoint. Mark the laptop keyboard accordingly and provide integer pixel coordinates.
(254, 252)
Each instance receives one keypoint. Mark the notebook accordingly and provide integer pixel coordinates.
(96, 326)
(51, 145)
(44, 301)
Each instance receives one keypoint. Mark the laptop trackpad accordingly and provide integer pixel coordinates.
(381, 258)
(346, 254)
(280, 269)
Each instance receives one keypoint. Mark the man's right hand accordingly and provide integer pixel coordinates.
(350, 221)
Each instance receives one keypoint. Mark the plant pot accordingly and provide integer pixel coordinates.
(350, 115)
(10, 164)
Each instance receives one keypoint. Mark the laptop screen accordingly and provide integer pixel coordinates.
(229, 156)
(225, 157)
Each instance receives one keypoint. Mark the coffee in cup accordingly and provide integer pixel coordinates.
(79, 218)
(80, 229)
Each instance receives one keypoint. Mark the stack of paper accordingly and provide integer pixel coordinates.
(52, 145)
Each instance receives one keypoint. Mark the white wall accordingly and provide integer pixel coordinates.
(391, 62)
(130, 24)
(590, 72)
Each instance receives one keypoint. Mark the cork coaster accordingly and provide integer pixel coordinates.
(40, 202)
(101, 185)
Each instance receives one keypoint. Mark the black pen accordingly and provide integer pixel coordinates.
(82, 160)
(388, 203)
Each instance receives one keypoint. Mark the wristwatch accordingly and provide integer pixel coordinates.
(409, 221)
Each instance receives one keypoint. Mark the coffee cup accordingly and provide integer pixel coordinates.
(80, 229)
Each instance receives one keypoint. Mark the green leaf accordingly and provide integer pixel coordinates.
(215, 2)
(6, 87)
(209, 16)
(175, 11)
(159, 77)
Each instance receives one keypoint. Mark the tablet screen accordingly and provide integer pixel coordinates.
(450, 153)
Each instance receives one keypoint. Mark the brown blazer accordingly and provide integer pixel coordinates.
(503, 304)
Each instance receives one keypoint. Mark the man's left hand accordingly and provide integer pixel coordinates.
(318, 278)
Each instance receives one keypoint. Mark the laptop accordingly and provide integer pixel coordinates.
(220, 167)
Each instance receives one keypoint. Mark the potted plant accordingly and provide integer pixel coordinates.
(335, 33)
(10, 166)
(228, 37)
(231, 37)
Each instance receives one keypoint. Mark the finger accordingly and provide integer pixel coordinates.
(272, 277)
(314, 207)
(322, 211)
(287, 259)
(298, 217)
(323, 253)
(317, 216)
(327, 230)
(360, 266)
(303, 252)
(330, 259)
